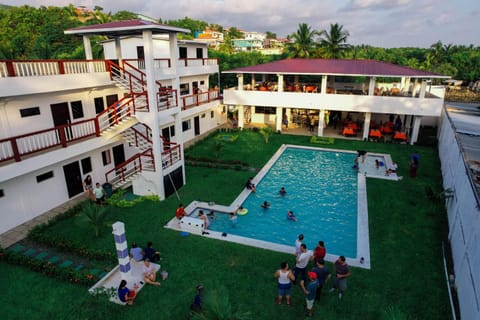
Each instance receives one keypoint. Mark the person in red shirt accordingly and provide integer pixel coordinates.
(180, 213)
(320, 251)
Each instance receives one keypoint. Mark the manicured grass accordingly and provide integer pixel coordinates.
(406, 230)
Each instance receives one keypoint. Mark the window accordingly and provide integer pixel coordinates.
(265, 110)
(28, 112)
(199, 53)
(172, 131)
(45, 176)
(1, 193)
(212, 114)
(186, 125)
(202, 82)
(203, 115)
(86, 165)
(182, 52)
(106, 158)
(77, 109)
(184, 89)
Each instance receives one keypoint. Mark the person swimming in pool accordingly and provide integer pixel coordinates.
(291, 216)
(265, 205)
(233, 219)
(282, 191)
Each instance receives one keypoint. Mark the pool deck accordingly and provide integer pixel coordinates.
(367, 169)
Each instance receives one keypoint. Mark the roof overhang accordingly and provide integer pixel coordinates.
(125, 28)
(336, 67)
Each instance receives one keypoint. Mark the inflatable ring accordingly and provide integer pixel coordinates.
(242, 212)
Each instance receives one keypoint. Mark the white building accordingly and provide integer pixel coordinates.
(297, 89)
(122, 120)
(459, 151)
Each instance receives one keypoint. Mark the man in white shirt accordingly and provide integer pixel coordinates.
(298, 243)
(302, 262)
(99, 193)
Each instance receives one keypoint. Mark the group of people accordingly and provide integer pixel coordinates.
(313, 281)
(149, 271)
(96, 193)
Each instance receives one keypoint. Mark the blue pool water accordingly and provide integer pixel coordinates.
(321, 191)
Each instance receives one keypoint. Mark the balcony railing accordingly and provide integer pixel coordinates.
(171, 155)
(200, 98)
(167, 63)
(17, 147)
(33, 68)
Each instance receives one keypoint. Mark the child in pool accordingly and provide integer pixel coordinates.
(291, 216)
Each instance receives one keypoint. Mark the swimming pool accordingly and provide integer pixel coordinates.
(321, 191)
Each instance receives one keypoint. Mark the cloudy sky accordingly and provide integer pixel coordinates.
(382, 23)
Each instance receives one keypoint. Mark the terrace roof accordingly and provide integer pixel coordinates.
(340, 67)
(125, 28)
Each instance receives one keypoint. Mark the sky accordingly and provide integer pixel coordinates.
(380, 23)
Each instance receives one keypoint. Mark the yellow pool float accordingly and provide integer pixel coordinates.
(242, 212)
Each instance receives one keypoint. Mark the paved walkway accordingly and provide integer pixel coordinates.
(14, 235)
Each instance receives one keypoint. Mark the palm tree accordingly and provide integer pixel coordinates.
(304, 44)
(334, 42)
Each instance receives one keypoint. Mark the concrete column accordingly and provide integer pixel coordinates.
(402, 83)
(366, 125)
(371, 86)
(323, 89)
(416, 128)
(241, 118)
(240, 81)
(253, 83)
(122, 250)
(88, 48)
(407, 85)
(423, 89)
(280, 83)
(174, 56)
(414, 87)
(278, 119)
(118, 51)
(321, 122)
(153, 116)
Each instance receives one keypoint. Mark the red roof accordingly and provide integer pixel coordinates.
(336, 67)
(124, 27)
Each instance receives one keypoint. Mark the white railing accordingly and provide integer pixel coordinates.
(35, 68)
(39, 141)
(3, 69)
(75, 67)
(6, 151)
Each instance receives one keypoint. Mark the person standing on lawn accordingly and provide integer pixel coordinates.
(323, 274)
(310, 292)
(342, 272)
(285, 278)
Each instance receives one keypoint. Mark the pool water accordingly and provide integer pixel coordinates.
(321, 191)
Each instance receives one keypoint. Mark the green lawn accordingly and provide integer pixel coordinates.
(406, 230)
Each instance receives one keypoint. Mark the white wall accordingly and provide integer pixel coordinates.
(464, 223)
(13, 124)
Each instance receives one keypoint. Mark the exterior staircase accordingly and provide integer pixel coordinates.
(119, 118)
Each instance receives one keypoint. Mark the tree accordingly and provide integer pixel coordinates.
(96, 216)
(190, 24)
(334, 42)
(266, 132)
(304, 44)
(270, 35)
(234, 33)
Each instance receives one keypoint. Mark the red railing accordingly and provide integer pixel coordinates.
(171, 155)
(145, 136)
(122, 74)
(200, 98)
(137, 163)
(31, 68)
(22, 145)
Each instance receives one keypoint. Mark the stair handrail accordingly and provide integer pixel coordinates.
(112, 66)
(120, 168)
